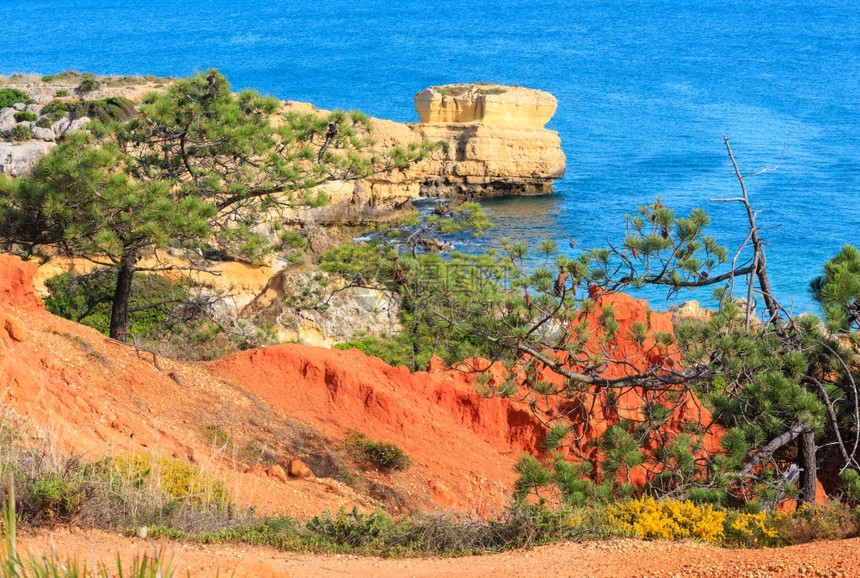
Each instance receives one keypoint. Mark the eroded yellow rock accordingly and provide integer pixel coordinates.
(487, 104)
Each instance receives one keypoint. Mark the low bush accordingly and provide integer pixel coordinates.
(44, 122)
(89, 83)
(378, 534)
(61, 93)
(13, 565)
(10, 96)
(753, 529)
(24, 116)
(383, 455)
(104, 110)
(174, 478)
(58, 499)
(668, 520)
(20, 132)
(217, 436)
(832, 521)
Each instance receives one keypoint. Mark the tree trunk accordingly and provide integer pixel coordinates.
(119, 311)
(806, 461)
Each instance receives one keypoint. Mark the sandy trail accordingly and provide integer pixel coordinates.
(608, 558)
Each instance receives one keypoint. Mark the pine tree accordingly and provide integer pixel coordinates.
(197, 164)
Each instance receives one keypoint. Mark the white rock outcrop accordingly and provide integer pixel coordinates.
(17, 159)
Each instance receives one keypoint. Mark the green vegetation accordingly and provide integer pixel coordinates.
(20, 132)
(114, 108)
(88, 83)
(378, 534)
(458, 89)
(24, 116)
(782, 388)
(216, 435)
(13, 565)
(135, 186)
(61, 93)
(87, 299)
(10, 96)
(383, 455)
(838, 290)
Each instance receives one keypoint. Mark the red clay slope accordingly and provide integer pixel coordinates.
(104, 395)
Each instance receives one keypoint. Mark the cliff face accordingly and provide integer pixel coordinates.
(488, 104)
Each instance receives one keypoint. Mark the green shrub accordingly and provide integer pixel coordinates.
(61, 93)
(20, 132)
(87, 299)
(216, 435)
(105, 109)
(58, 499)
(383, 455)
(10, 96)
(88, 83)
(13, 565)
(354, 530)
(24, 116)
(44, 122)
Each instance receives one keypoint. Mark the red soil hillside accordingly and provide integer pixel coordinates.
(100, 396)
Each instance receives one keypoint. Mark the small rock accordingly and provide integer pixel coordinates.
(435, 245)
(298, 469)
(79, 123)
(19, 106)
(7, 122)
(44, 134)
(278, 473)
(61, 126)
(15, 330)
(35, 108)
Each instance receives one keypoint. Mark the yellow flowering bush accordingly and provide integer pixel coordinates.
(668, 520)
(757, 529)
(173, 477)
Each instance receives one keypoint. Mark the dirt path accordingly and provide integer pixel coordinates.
(615, 558)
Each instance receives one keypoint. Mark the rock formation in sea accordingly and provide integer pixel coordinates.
(495, 144)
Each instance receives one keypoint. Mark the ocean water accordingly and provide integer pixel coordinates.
(646, 92)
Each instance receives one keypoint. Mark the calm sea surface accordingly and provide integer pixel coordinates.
(646, 92)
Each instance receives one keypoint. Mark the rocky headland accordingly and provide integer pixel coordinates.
(491, 138)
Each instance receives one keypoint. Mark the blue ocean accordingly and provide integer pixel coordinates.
(646, 91)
